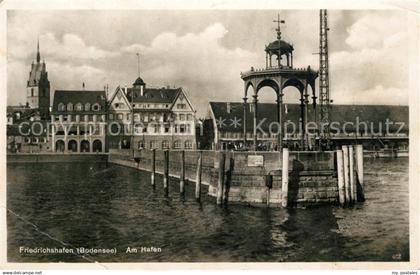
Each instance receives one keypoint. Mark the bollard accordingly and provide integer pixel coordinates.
(228, 179)
(198, 176)
(285, 178)
(165, 172)
(340, 176)
(351, 175)
(360, 183)
(346, 173)
(153, 175)
(220, 180)
(182, 175)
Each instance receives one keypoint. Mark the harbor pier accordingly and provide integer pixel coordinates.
(248, 177)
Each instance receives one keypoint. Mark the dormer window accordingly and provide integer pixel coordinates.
(61, 107)
(96, 107)
(87, 106)
(79, 107)
(70, 106)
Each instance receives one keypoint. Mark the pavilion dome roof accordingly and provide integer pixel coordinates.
(275, 46)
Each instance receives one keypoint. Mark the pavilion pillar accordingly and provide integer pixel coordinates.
(291, 59)
(280, 119)
(266, 60)
(245, 120)
(288, 64)
(301, 119)
(270, 61)
(255, 119)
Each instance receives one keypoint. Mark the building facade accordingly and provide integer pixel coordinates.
(38, 87)
(152, 118)
(78, 122)
(377, 127)
(27, 130)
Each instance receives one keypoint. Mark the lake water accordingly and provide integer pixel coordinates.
(91, 205)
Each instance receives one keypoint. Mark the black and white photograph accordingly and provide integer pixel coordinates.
(256, 134)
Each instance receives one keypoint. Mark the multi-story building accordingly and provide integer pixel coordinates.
(38, 87)
(161, 118)
(377, 127)
(26, 124)
(78, 121)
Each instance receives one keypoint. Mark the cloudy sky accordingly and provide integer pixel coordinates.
(205, 51)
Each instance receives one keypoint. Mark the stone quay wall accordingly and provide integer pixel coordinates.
(312, 176)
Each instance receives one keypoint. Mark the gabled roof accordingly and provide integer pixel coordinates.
(78, 96)
(153, 95)
(120, 90)
(339, 113)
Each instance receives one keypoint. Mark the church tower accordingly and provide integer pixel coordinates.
(38, 87)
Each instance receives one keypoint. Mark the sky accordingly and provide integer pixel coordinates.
(205, 51)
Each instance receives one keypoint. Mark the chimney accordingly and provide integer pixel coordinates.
(83, 86)
(228, 108)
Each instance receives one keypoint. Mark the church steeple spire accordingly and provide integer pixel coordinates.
(38, 55)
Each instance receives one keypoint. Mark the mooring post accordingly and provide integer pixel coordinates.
(285, 178)
(182, 175)
(166, 172)
(221, 176)
(340, 176)
(198, 176)
(351, 175)
(360, 182)
(346, 173)
(153, 175)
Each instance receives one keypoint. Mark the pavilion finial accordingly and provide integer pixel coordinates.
(278, 30)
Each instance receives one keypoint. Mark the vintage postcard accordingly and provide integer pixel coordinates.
(246, 135)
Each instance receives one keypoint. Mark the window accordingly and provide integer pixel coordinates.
(177, 144)
(120, 116)
(128, 116)
(188, 129)
(167, 128)
(111, 116)
(156, 128)
(181, 106)
(188, 144)
(182, 128)
(137, 117)
(153, 144)
(181, 117)
(165, 144)
(79, 107)
(70, 106)
(96, 107)
(189, 117)
(61, 107)
(87, 106)
(32, 91)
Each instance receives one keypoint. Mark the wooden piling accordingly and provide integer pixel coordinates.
(346, 173)
(220, 181)
(166, 172)
(340, 176)
(360, 181)
(153, 175)
(285, 178)
(198, 176)
(351, 175)
(182, 174)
